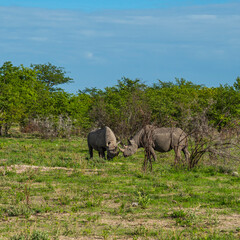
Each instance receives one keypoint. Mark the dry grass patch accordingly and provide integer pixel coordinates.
(229, 222)
(28, 168)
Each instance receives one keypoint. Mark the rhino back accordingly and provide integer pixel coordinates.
(162, 140)
(165, 139)
(101, 138)
(96, 138)
(179, 137)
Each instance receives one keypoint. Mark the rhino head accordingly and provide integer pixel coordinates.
(112, 150)
(130, 149)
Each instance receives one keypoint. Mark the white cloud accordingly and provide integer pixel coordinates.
(206, 17)
(89, 55)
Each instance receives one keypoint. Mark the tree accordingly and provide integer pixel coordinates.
(237, 84)
(226, 105)
(18, 94)
(79, 107)
(122, 107)
(171, 103)
(51, 75)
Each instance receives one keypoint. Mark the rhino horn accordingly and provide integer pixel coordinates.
(121, 149)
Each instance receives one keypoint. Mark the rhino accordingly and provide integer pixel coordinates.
(103, 139)
(162, 140)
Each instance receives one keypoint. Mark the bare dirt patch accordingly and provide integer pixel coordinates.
(229, 223)
(25, 168)
(134, 222)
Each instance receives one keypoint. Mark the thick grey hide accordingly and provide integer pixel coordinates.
(102, 139)
(162, 140)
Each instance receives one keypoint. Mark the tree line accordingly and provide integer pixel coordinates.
(30, 97)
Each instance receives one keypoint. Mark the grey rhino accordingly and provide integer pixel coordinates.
(103, 139)
(163, 140)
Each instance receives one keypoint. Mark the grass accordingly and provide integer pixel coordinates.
(49, 189)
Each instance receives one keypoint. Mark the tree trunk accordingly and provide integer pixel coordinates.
(6, 128)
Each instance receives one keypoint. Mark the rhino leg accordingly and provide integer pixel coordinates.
(101, 153)
(153, 153)
(108, 156)
(186, 154)
(177, 151)
(90, 151)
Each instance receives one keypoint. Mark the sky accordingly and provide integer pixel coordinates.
(98, 42)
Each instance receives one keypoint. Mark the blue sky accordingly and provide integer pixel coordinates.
(98, 42)
(91, 5)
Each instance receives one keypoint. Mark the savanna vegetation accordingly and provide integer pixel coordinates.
(50, 189)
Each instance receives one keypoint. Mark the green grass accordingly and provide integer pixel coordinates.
(66, 195)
